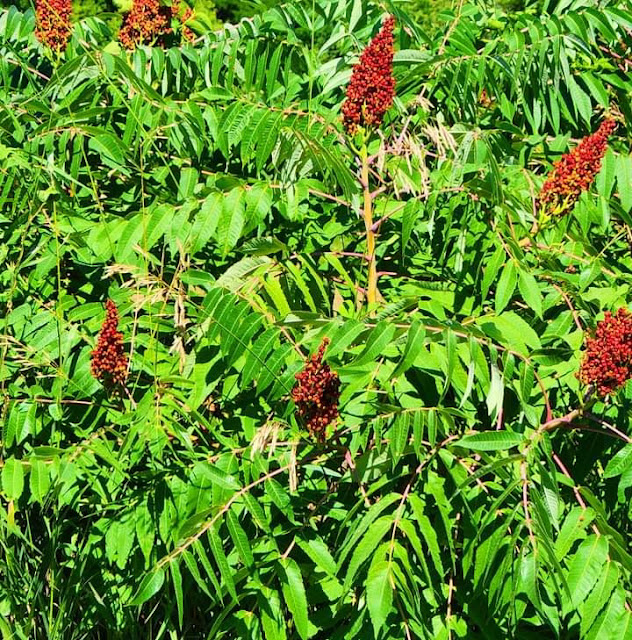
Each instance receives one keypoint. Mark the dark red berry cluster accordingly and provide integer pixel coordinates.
(109, 362)
(316, 393)
(575, 171)
(372, 87)
(52, 23)
(607, 362)
(147, 23)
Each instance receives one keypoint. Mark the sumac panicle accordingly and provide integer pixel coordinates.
(316, 393)
(146, 23)
(372, 87)
(575, 172)
(607, 362)
(52, 25)
(109, 362)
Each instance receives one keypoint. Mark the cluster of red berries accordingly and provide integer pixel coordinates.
(149, 22)
(146, 23)
(575, 171)
(52, 24)
(109, 362)
(316, 394)
(607, 362)
(372, 87)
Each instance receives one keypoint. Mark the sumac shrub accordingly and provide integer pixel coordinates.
(363, 368)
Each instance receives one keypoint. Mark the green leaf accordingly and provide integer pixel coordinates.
(231, 221)
(530, 291)
(317, 550)
(619, 463)
(239, 537)
(581, 102)
(13, 478)
(110, 148)
(220, 478)
(217, 549)
(506, 286)
(39, 480)
(490, 440)
(510, 330)
(399, 436)
(573, 528)
(367, 520)
(367, 546)
(379, 338)
(188, 180)
(428, 533)
(176, 576)
(414, 345)
(599, 596)
(586, 566)
(294, 594)
(491, 270)
(409, 217)
(379, 593)
(271, 614)
(612, 623)
(263, 247)
(149, 587)
(624, 180)
(145, 530)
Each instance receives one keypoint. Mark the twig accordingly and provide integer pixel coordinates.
(603, 423)
(352, 467)
(182, 547)
(583, 427)
(553, 423)
(287, 552)
(451, 28)
(322, 194)
(413, 477)
(578, 496)
(376, 225)
(569, 304)
(525, 502)
(367, 212)
(402, 613)
(448, 614)
(31, 69)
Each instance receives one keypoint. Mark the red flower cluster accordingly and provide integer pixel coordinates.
(109, 362)
(146, 23)
(52, 25)
(372, 88)
(316, 393)
(575, 171)
(607, 362)
(149, 22)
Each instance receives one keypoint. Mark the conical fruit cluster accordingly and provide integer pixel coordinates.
(575, 172)
(52, 24)
(607, 362)
(372, 87)
(316, 394)
(109, 362)
(147, 23)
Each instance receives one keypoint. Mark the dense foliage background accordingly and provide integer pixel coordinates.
(210, 190)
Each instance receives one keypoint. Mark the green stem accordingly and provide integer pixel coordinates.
(371, 292)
